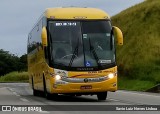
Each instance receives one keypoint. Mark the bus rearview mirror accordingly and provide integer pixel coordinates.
(44, 36)
(118, 34)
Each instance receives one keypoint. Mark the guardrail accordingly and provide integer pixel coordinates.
(155, 89)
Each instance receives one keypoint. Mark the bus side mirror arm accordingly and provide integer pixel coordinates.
(44, 37)
(118, 34)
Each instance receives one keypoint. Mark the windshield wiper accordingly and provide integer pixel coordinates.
(111, 41)
(75, 53)
(94, 53)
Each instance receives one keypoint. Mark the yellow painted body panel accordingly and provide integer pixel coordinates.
(71, 13)
(36, 66)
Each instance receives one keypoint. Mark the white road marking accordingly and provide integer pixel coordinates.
(25, 100)
(43, 111)
(11, 89)
(16, 94)
(114, 100)
(139, 94)
(23, 85)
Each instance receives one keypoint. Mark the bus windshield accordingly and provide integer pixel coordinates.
(81, 43)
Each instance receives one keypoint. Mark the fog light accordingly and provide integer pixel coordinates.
(111, 75)
(57, 77)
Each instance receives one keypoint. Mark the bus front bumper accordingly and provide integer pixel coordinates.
(88, 87)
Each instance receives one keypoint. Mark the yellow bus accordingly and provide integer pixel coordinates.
(72, 51)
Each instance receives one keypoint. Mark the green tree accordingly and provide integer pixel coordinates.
(10, 62)
(23, 62)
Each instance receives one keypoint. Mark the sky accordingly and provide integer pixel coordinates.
(17, 17)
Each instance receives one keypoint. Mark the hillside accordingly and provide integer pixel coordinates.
(139, 57)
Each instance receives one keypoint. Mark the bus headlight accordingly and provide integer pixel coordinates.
(57, 77)
(111, 75)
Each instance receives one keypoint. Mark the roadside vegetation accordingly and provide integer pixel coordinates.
(139, 58)
(15, 77)
(134, 84)
(9, 63)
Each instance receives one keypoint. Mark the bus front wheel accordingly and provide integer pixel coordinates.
(102, 95)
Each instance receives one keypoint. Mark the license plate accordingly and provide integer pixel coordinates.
(86, 87)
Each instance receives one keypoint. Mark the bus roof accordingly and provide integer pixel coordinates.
(75, 13)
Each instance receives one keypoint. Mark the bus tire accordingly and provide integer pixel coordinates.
(46, 94)
(35, 92)
(102, 95)
(54, 96)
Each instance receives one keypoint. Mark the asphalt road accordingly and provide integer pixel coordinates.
(21, 94)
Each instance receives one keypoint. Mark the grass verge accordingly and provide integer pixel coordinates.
(15, 77)
(134, 84)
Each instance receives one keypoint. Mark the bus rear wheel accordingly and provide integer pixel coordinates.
(45, 92)
(102, 95)
(35, 92)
